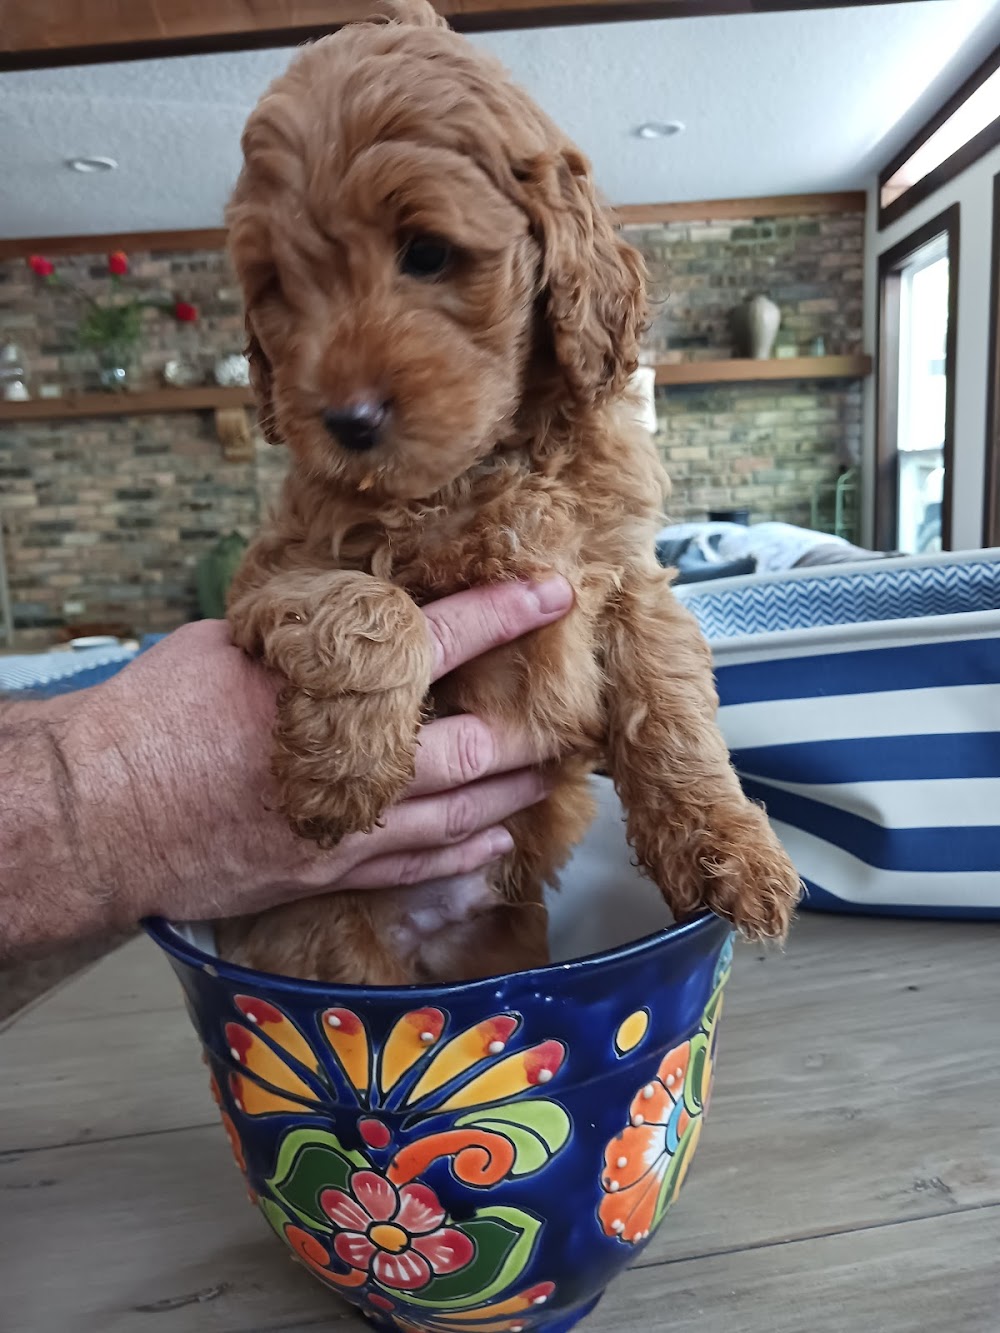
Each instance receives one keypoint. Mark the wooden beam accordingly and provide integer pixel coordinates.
(206, 398)
(743, 370)
(19, 247)
(630, 215)
(764, 206)
(35, 34)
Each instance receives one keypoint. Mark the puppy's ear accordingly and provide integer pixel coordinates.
(592, 281)
(260, 382)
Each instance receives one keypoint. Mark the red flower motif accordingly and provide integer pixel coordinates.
(396, 1236)
(118, 263)
(42, 266)
(185, 312)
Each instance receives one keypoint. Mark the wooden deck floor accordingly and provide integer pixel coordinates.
(848, 1180)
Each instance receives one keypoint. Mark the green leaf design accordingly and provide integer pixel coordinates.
(505, 1240)
(310, 1161)
(668, 1189)
(712, 1008)
(695, 1073)
(537, 1130)
(277, 1218)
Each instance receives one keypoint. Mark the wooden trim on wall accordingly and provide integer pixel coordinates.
(991, 505)
(763, 206)
(19, 247)
(630, 215)
(890, 264)
(951, 167)
(36, 34)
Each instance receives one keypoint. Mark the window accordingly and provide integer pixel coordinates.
(965, 128)
(991, 517)
(918, 281)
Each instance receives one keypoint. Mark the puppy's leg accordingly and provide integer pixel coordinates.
(357, 658)
(692, 828)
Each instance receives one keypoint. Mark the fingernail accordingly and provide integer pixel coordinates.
(500, 842)
(552, 595)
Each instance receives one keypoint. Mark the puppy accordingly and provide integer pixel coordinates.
(442, 322)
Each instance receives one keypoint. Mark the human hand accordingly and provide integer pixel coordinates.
(169, 762)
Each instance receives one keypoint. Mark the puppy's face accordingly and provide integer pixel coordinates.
(395, 232)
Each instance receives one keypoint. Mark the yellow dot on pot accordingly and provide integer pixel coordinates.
(632, 1031)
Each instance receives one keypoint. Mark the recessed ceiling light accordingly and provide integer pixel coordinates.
(658, 129)
(89, 165)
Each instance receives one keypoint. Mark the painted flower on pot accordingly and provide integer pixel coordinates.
(646, 1163)
(364, 1220)
(398, 1236)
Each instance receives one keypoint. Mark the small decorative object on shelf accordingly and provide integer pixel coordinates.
(232, 372)
(112, 330)
(755, 325)
(12, 375)
(180, 374)
(818, 346)
(785, 348)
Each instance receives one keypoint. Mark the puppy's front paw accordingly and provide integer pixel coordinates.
(747, 876)
(340, 763)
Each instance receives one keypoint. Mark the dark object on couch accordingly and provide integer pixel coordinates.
(687, 557)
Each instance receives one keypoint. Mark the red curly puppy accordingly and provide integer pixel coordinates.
(442, 324)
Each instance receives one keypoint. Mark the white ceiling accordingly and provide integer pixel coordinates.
(773, 103)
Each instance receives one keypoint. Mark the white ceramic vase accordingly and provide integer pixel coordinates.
(762, 320)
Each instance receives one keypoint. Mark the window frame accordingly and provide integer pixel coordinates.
(951, 167)
(890, 266)
(991, 478)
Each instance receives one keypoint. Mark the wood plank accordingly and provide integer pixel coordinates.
(136, 979)
(743, 369)
(629, 215)
(764, 206)
(20, 247)
(937, 1274)
(54, 32)
(831, 1059)
(206, 398)
(160, 1225)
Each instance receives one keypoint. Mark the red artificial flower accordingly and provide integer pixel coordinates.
(118, 263)
(186, 313)
(42, 266)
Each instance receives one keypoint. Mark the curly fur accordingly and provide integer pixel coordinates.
(512, 452)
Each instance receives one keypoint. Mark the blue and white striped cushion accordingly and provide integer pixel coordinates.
(874, 743)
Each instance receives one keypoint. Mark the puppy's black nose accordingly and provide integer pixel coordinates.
(357, 426)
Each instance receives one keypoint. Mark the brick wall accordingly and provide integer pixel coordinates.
(114, 512)
(764, 446)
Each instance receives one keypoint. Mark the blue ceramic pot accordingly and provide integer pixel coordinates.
(479, 1156)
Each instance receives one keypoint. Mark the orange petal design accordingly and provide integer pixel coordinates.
(252, 1099)
(527, 1069)
(651, 1105)
(257, 1058)
(312, 1253)
(630, 1156)
(349, 1042)
(234, 1141)
(281, 1030)
(526, 1300)
(467, 1049)
(673, 1070)
(410, 1039)
(629, 1214)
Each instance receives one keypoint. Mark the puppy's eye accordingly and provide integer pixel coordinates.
(425, 257)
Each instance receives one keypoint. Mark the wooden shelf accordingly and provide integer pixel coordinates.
(207, 398)
(743, 370)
